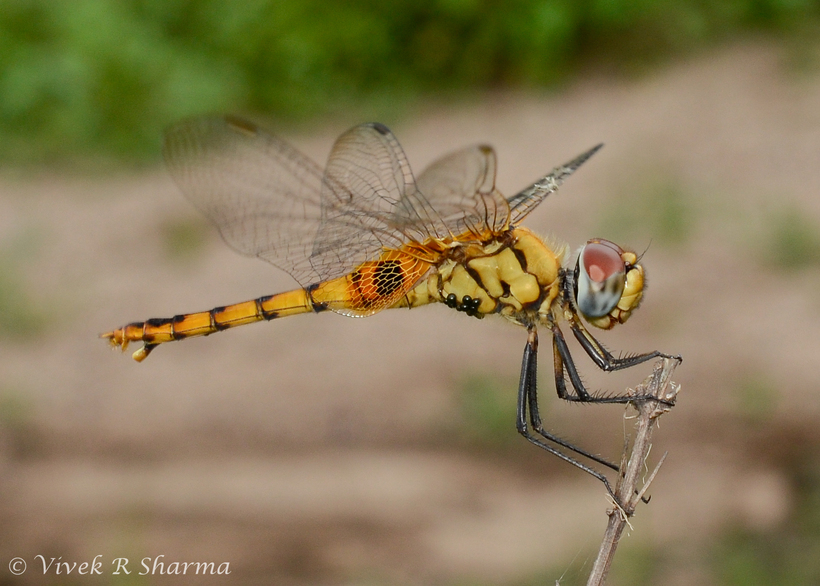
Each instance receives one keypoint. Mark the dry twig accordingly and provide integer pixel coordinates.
(659, 384)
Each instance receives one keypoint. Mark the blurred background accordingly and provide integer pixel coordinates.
(322, 450)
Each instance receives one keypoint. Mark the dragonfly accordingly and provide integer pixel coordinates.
(364, 235)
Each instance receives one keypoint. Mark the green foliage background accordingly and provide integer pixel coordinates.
(103, 77)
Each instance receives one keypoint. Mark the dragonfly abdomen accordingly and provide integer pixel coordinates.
(157, 331)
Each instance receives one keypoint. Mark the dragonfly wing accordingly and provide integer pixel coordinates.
(262, 194)
(523, 202)
(365, 205)
(371, 201)
(460, 187)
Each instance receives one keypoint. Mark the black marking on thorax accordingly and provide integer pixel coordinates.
(474, 274)
(505, 286)
(521, 257)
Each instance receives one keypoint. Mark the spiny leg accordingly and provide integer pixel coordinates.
(602, 357)
(527, 397)
(560, 385)
(535, 416)
(565, 363)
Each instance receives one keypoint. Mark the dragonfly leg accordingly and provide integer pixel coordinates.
(527, 401)
(565, 364)
(603, 358)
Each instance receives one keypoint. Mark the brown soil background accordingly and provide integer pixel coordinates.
(327, 450)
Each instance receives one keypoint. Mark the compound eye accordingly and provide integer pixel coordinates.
(601, 276)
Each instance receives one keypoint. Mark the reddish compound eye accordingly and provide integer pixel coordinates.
(600, 277)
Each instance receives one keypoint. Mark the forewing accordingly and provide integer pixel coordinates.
(460, 187)
(523, 202)
(364, 200)
(262, 195)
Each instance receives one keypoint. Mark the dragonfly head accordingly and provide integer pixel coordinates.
(608, 283)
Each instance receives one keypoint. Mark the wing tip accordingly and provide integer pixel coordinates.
(380, 128)
(583, 157)
(240, 124)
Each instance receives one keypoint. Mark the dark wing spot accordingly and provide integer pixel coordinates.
(380, 128)
(388, 276)
(357, 280)
(376, 282)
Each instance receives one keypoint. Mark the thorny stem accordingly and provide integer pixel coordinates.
(659, 384)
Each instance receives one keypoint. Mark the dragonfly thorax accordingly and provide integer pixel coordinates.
(520, 277)
(516, 275)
